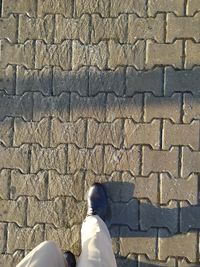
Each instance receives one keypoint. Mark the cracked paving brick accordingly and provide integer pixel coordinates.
(180, 134)
(145, 28)
(48, 158)
(17, 54)
(6, 132)
(7, 79)
(117, 7)
(143, 261)
(159, 216)
(88, 107)
(66, 185)
(63, 7)
(124, 107)
(164, 54)
(126, 54)
(51, 106)
(106, 81)
(193, 6)
(67, 132)
(13, 211)
(179, 245)
(8, 28)
(104, 133)
(11, 259)
(162, 107)
(15, 158)
(31, 132)
(25, 238)
(85, 159)
(175, 188)
(160, 161)
(58, 55)
(108, 28)
(190, 162)
(25, 7)
(33, 80)
(181, 81)
(4, 186)
(176, 6)
(36, 28)
(139, 242)
(92, 6)
(189, 217)
(142, 133)
(28, 184)
(89, 55)
(121, 160)
(192, 54)
(72, 28)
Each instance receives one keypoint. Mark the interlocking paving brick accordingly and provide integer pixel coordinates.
(25, 238)
(51, 106)
(92, 6)
(67, 132)
(6, 131)
(164, 54)
(125, 214)
(106, 81)
(8, 28)
(25, 7)
(121, 160)
(126, 54)
(15, 158)
(159, 216)
(143, 261)
(190, 162)
(66, 28)
(58, 55)
(143, 81)
(28, 184)
(192, 54)
(70, 81)
(124, 107)
(117, 7)
(160, 161)
(138, 242)
(2, 237)
(31, 132)
(36, 28)
(17, 54)
(182, 27)
(89, 55)
(189, 217)
(4, 184)
(7, 79)
(85, 159)
(180, 134)
(13, 211)
(193, 6)
(108, 28)
(48, 158)
(129, 261)
(87, 107)
(185, 263)
(145, 28)
(104, 133)
(142, 133)
(176, 6)
(11, 260)
(191, 108)
(182, 81)
(142, 187)
(158, 107)
(175, 188)
(33, 80)
(63, 7)
(66, 185)
(181, 245)
(66, 237)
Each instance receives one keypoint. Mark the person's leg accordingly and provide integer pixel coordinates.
(46, 254)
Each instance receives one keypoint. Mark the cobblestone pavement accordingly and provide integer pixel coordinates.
(109, 91)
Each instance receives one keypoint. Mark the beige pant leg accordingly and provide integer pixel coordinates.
(46, 254)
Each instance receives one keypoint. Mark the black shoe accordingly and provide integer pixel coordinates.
(70, 259)
(97, 201)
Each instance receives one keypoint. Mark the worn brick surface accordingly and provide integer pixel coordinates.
(190, 162)
(143, 261)
(192, 54)
(176, 6)
(61, 6)
(192, 7)
(26, 7)
(11, 259)
(189, 217)
(8, 28)
(7, 79)
(191, 108)
(6, 131)
(92, 6)
(127, 6)
(4, 187)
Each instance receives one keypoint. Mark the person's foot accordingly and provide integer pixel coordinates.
(70, 259)
(97, 201)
